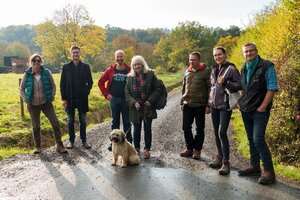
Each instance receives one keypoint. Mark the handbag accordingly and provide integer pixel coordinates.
(233, 97)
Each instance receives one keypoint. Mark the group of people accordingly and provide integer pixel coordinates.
(205, 91)
(38, 90)
(132, 91)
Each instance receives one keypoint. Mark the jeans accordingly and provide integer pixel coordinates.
(255, 124)
(220, 120)
(118, 106)
(35, 113)
(71, 120)
(147, 133)
(189, 114)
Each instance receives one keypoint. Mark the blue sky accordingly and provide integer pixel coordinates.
(138, 13)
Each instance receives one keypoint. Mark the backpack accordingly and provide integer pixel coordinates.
(162, 99)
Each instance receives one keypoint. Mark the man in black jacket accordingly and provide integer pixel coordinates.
(75, 85)
(259, 84)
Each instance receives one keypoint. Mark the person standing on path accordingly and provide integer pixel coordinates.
(259, 84)
(224, 75)
(112, 85)
(38, 90)
(75, 86)
(194, 104)
(142, 90)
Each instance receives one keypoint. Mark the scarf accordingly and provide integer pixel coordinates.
(139, 88)
(250, 68)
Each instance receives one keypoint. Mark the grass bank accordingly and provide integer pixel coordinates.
(288, 171)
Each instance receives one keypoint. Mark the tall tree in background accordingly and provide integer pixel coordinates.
(69, 26)
(17, 49)
(127, 43)
(185, 38)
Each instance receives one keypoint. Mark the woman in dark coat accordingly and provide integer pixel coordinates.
(142, 91)
(224, 75)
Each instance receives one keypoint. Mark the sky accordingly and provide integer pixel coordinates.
(135, 14)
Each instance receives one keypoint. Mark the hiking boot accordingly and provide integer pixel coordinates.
(86, 145)
(225, 169)
(70, 145)
(217, 163)
(267, 178)
(60, 148)
(37, 150)
(109, 148)
(250, 171)
(137, 151)
(196, 154)
(146, 154)
(186, 153)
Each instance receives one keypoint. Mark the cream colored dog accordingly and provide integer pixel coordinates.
(121, 147)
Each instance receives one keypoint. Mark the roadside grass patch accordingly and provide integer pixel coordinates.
(240, 136)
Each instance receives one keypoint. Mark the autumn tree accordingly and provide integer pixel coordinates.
(69, 26)
(276, 30)
(185, 38)
(228, 42)
(127, 43)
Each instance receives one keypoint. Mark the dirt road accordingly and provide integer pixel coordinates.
(87, 174)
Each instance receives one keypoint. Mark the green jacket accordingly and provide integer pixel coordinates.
(152, 94)
(196, 87)
(46, 83)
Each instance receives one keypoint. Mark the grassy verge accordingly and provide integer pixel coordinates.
(15, 131)
(287, 171)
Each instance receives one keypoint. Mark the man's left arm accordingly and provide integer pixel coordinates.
(272, 87)
(89, 78)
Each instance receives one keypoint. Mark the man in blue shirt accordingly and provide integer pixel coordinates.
(259, 84)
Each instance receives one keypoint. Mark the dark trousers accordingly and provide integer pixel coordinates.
(255, 124)
(35, 113)
(71, 120)
(120, 106)
(189, 114)
(147, 133)
(220, 120)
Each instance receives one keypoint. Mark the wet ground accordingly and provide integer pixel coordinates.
(87, 174)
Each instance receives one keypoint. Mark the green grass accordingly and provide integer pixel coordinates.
(7, 152)
(19, 129)
(240, 136)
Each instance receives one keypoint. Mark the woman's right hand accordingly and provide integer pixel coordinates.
(137, 105)
(64, 103)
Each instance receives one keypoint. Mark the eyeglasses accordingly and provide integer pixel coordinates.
(36, 61)
(249, 51)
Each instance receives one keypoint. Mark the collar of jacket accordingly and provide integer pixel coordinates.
(200, 67)
(126, 66)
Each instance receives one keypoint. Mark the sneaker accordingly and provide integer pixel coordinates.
(60, 148)
(70, 145)
(196, 154)
(267, 178)
(186, 153)
(146, 154)
(250, 170)
(109, 148)
(225, 169)
(217, 163)
(86, 145)
(37, 150)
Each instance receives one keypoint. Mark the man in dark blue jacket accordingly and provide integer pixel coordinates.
(75, 85)
(259, 84)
